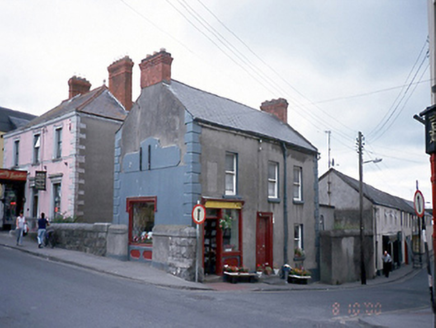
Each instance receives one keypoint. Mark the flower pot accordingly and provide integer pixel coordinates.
(259, 274)
(276, 272)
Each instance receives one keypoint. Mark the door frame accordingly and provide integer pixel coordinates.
(269, 242)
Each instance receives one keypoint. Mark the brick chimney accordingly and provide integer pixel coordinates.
(156, 68)
(278, 107)
(120, 81)
(77, 86)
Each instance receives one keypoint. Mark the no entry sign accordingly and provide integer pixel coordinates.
(198, 214)
(418, 202)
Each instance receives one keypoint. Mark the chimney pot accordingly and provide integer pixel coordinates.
(120, 81)
(156, 68)
(277, 107)
(78, 85)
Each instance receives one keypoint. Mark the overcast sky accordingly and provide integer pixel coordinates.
(344, 66)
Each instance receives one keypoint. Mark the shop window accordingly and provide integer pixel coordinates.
(229, 224)
(142, 218)
(273, 169)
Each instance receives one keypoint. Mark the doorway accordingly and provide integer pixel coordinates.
(264, 238)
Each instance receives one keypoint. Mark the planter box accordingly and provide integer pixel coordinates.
(235, 277)
(301, 280)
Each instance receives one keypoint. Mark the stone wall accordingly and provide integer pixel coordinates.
(174, 249)
(82, 237)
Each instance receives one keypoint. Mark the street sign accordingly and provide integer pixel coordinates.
(199, 214)
(418, 203)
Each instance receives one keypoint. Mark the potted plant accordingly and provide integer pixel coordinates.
(268, 270)
(226, 222)
(276, 269)
(259, 270)
(299, 254)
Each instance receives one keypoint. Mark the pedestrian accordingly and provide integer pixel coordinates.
(42, 228)
(20, 222)
(387, 263)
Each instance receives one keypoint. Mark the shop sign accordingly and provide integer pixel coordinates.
(13, 175)
(40, 180)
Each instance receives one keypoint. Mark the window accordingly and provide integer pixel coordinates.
(297, 184)
(231, 174)
(231, 234)
(57, 200)
(142, 221)
(16, 152)
(298, 237)
(36, 148)
(58, 143)
(273, 169)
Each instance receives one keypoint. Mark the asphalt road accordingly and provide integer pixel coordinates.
(35, 292)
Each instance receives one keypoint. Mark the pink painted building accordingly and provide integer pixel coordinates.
(68, 152)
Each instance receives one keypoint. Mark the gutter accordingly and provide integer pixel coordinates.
(285, 205)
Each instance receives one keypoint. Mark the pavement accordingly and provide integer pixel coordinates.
(141, 272)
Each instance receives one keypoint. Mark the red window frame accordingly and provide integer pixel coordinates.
(129, 209)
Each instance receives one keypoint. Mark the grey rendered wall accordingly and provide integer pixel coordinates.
(253, 158)
(95, 173)
(156, 119)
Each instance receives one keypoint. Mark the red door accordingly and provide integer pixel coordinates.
(264, 239)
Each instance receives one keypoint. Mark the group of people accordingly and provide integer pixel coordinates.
(21, 225)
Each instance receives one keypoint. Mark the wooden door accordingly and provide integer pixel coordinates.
(264, 239)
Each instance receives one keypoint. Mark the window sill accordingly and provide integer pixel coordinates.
(36, 164)
(58, 159)
(274, 200)
(232, 197)
(298, 202)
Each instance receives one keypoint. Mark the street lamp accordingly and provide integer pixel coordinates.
(361, 162)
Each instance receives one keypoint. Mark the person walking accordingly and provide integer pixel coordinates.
(387, 263)
(19, 224)
(42, 228)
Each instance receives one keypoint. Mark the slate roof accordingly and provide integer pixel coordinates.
(11, 119)
(376, 196)
(227, 113)
(98, 102)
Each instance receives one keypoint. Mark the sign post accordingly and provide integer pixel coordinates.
(198, 216)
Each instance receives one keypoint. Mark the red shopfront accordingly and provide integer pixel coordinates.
(13, 183)
(222, 235)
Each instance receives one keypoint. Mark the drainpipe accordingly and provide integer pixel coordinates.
(285, 206)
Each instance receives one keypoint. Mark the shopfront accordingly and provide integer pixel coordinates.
(222, 235)
(12, 196)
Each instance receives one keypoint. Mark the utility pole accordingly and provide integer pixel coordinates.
(362, 255)
(329, 192)
(328, 147)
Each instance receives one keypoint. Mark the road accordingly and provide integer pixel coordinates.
(35, 292)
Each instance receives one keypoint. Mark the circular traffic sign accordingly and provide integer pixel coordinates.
(198, 214)
(418, 203)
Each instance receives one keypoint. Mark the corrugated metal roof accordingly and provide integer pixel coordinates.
(376, 196)
(221, 111)
(99, 102)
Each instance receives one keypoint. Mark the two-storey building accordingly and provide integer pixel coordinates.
(255, 175)
(68, 152)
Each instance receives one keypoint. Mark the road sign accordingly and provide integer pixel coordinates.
(418, 203)
(198, 214)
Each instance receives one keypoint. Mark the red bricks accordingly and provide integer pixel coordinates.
(278, 107)
(156, 68)
(120, 81)
(78, 85)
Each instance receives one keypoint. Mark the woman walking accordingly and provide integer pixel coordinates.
(21, 221)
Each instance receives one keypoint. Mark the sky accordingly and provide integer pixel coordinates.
(343, 66)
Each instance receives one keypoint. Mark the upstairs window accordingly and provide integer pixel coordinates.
(298, 193)
(58, 143)
(16, 152)
(36, 148)
(273, 169)
(231, 173)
